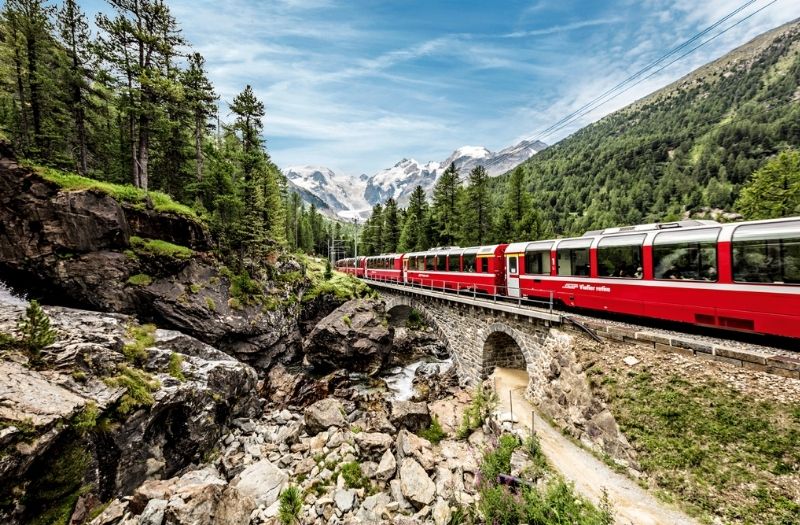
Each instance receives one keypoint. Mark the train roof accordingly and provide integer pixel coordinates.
(455, 250)
(650, 227)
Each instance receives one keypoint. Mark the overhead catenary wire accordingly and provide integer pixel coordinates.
(626, 84)
(650, 65)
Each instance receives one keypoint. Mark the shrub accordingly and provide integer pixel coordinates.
(36, 331)
(244, 288)
(175, 368)
(415, 320)
(479, 409)
(195, 288)
(434, 433)
(347, 321)
(291, 504)
(498, 461)
(328, 275)
(140, 279)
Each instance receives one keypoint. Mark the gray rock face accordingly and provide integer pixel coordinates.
(183, 422)
(415, 483)
(373, 444)
(262, 481)
(386, 467)
(324, 414)
(353, 337)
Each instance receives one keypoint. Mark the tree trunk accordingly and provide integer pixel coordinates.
(77, 98)
(144, 149)
(198, 150)
(23, 113)
(33, 80)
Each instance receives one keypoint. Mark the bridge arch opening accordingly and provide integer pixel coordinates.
(501, 350)
(400, 314)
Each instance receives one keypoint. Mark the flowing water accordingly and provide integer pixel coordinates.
(8, 297)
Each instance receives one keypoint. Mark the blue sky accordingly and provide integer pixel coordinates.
(358, 85)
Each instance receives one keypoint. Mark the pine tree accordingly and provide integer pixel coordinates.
(249, 111)
(201, 101)
(415, 233)
(76, 39)
(137, 44)
(391, 227)
(36, 331)
(445, 206)
(477, 221)
(774, 190)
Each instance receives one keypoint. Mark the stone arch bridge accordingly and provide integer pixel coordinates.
(482, 334)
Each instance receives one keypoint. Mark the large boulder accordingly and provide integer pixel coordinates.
(415, 483)
(373, 444)
(354, 337)
(410, 415)
(262, 481)
(324, 414)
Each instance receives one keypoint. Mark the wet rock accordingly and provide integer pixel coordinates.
(324, 414)
(415, 483)
(410, 415)
(354, 337)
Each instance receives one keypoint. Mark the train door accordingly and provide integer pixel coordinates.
(512, 276)
(404, 277)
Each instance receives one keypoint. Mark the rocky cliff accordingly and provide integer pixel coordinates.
(112, 404)
(85, 248)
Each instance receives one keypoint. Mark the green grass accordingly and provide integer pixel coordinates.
(139, 387)
(121, 192)
(476, 413)
(434, 432)
(160, 248)
(354, 477)
(342, 286)
(175, 367)
(210, 304)
(140, 279)
(555, 502)
(86, 420)
(143, 337)
(720, 452)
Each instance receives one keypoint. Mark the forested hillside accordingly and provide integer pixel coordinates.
(693, 144)
(132, 104)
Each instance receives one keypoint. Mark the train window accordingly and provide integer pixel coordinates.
(686, 255)
(429, 263)
(420, 263)
(440, 263)
(453, 263)
(512, 265)
(469, 262)
(620, 256)
(573, 257)
(537, 258)
(767, 253)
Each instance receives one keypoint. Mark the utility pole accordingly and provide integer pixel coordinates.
(355, 250)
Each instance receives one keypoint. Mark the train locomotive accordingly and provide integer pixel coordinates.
(739, 276)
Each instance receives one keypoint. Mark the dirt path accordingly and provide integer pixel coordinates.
(632, 504)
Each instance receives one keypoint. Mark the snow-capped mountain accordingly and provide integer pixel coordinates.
(328, 191)
(351, 197)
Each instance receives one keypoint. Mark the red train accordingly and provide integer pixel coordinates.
(740, 276)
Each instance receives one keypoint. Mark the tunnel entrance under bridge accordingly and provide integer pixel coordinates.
(501, 350)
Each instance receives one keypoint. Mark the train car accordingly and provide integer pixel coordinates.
(740, 276)
(384, 267)
(479, 269)
(352, 265)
